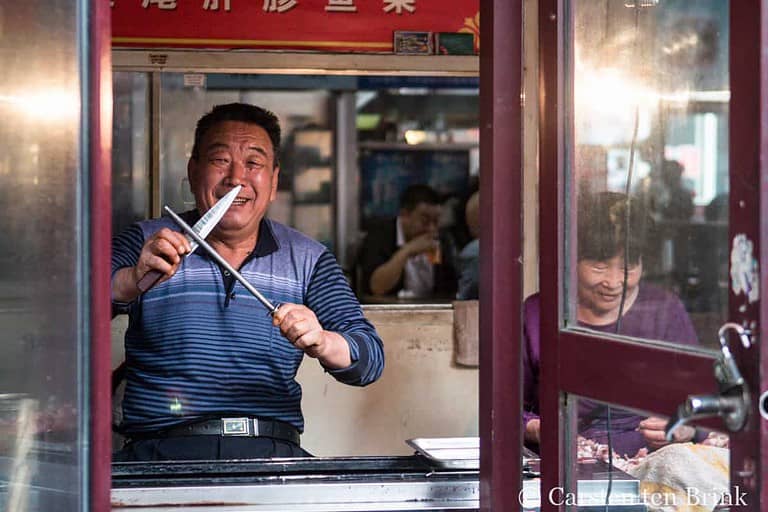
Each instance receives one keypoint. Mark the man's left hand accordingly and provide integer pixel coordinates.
(299, 325)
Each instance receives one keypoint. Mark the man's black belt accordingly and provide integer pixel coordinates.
(242, 427)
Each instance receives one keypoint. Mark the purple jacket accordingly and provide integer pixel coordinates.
(656, 314)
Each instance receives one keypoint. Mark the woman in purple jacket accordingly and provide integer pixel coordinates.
(647, 312)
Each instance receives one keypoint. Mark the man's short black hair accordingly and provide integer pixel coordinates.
(242, 112)
(602, 227)
(417, 194)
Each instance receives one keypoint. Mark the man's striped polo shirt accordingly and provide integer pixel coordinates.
(199, 345)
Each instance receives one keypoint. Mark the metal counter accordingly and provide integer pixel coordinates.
(319, 484)
(334, 484)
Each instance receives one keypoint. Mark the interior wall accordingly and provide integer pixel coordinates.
(530, 148)
(422, 392)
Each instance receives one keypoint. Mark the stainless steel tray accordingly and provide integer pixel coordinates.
(449, 452)
(464, 453)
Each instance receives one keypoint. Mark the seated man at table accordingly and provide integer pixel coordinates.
(209, 374)
(406, 256)
(646, 312)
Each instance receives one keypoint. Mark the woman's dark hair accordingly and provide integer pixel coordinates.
(602, 227)
(242, 112)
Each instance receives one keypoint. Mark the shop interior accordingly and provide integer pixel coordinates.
(351, 145)
(356, 133)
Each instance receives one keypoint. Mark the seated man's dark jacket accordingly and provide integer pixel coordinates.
(381, 243)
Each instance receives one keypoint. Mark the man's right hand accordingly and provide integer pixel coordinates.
(162, 252)
(421, 243)
(385, 276)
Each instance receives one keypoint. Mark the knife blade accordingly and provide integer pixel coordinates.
(202, 228)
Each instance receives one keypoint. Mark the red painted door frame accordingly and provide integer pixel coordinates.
(97, 125)
(748, 215)
(501, 189)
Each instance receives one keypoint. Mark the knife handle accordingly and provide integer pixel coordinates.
(149, 280)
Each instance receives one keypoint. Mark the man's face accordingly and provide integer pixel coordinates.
(600, 284)
(424, 218)
(235, 153)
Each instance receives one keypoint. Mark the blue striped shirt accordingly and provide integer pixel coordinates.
(200, 345)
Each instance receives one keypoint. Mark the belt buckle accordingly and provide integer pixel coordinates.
(235, 427)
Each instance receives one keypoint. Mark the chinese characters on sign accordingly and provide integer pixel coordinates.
(213, 5)
(279, 5)
(287, 24)
(399, 5)
(161, 4)
(169, 5)
(341, 6)
(390, 6)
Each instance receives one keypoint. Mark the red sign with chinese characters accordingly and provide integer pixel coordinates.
(327, 25)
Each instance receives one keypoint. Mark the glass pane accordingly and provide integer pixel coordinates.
(42, 281)
(647, 248)
(415, 131)
(306, 168)
(130, 149)
(688, 473)
(316, 120)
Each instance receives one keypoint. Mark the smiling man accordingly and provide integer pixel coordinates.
(209, 374)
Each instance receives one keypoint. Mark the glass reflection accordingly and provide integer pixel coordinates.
(304, 196)
(42, 284)
(130, 149)
(650, 121)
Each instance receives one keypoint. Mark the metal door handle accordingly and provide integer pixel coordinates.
(732, 403)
